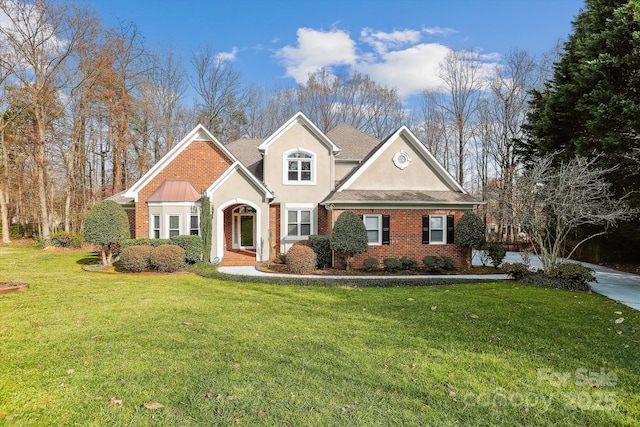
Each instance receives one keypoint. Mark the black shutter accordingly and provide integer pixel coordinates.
(386, 240)
(450, 233)
(425, 229)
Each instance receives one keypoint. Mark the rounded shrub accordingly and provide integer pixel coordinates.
(448, 263)
(433, 264)
(392, 264)
(349, 236)
(167, 258)
(106, 224)
(495, 252)
(409, 263)
(321, 245)
(516, 270)
(301, 259)
(135, 258)
(192, 245)
(371, 264)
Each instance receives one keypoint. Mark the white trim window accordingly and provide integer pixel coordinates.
(299, 167)
(174, 225)
(373, 224)
(194, 225)
(437, 229)
(299, 223)
(155, 231)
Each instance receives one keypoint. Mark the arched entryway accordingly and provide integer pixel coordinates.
(243, 227)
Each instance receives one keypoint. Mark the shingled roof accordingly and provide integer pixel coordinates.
(354, 143)
(400, 196)
(246, 150)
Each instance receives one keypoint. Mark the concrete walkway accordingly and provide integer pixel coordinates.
(616, 285)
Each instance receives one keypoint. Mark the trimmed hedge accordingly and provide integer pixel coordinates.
(167, 258)
(135, 258)
(321, 245)
(154, 243)
(210, 271)
(392, 264)
(409, 263)
(371, 264)
(301, 259)
(192, 245)
(433, 264)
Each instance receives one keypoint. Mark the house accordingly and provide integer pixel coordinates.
(268, 194)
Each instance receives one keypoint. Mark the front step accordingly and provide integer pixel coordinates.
(239, 258)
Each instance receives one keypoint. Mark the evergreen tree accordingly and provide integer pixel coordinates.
(470, 233)
(592, 103)
(349, 236)
(106, 224)
(591, 106)
(206, 226)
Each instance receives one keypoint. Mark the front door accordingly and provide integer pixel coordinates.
(244, 219)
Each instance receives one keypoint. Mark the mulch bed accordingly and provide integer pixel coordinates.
(6, 287)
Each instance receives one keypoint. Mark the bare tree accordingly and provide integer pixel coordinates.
(42, 37)
(552, 201)
(221, 103)
(462, 82)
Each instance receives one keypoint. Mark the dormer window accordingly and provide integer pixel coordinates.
(299, 167)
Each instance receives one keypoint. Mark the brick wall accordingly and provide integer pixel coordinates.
(406, 237)
(274, 230)
(201, 162)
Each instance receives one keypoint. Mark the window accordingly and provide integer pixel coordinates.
(299, 223)
(299, 167)
(373, 224)
(194, 225)
(156, 227)
(174, 225)
(437, 229)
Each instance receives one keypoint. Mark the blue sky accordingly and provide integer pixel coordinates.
(397, 42)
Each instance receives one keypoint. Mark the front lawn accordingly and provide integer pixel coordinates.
(91, 349)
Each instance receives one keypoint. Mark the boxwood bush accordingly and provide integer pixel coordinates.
(301, 259)
(321, 245)
(371, 264)
(135, 258)
(167, 258)
(433, 264)
(409, 263)
(192, 245)
(140, 242)
(392, 264)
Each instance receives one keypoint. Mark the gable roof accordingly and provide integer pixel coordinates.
(242, 169)
(199, 133)
(411, 139)
(175, 190)
(354, 143)
(246, 150)
(299, 118)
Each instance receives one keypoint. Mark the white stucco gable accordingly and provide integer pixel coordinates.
(299, 118)
(401, 162)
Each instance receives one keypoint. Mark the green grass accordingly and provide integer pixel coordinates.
(220, 353)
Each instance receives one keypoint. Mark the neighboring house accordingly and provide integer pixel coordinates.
(268, 194)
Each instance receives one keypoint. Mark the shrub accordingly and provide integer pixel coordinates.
(409, 263)
(371, 264)
(543, 280)
(495, 252)
(433, 264)
(105, 225)
(301, 259)
(135, 258)
(349, 236)
(167, 258)
(64, 239)
(321, 245)
(516, 270)
(470, 233)
(392, 264)
(192, 246)
(572, 272)
(448, 263)
(206, 225)
(125, 243)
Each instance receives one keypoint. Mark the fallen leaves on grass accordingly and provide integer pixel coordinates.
(474, 316)
(115, 402)
(619, 320)
(153, 405)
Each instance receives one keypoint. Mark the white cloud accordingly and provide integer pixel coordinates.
(317, 49)
(438, 31)
(396, 59)
(409, 70)
(227, 56)
(382, 41)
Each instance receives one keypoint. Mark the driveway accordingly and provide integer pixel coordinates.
(614, 284)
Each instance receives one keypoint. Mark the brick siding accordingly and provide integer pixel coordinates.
(201, 162)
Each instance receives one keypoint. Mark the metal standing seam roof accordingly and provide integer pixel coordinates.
(175, 190)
